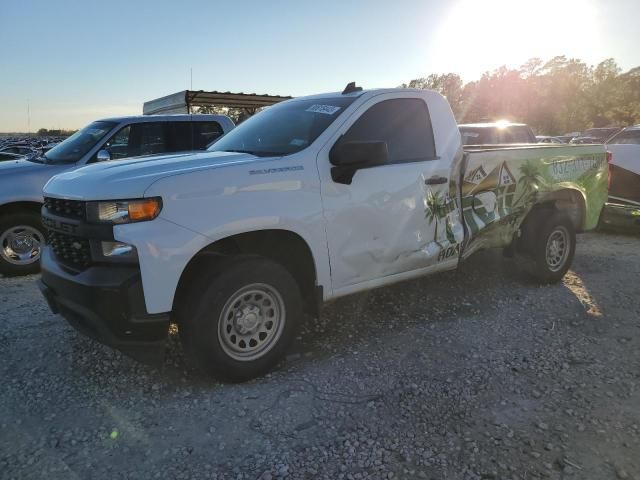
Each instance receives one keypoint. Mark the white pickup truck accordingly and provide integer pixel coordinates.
(312, 199)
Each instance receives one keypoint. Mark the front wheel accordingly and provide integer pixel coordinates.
(239, 320)
(21, 241)
(549, 247)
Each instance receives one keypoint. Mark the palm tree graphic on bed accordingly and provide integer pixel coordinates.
(437, 209)
(530, 180)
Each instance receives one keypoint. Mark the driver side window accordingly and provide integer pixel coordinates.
(403, 123)
(138, 139)
(118, 145)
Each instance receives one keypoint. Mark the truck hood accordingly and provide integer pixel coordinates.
(12, 167)
(22, 180)
(130, 178)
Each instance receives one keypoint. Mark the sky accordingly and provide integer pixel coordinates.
(68, 62)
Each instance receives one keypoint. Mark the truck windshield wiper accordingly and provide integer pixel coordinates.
(257, 153)
(36, 158)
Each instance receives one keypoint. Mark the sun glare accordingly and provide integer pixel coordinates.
(574, 283)
(480, 35)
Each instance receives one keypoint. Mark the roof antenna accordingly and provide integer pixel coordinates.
(350, 88)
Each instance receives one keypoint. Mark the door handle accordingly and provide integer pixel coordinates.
(436, 180)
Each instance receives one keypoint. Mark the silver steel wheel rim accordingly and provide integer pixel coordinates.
(21, 245)
(251, 322)
(557, 248)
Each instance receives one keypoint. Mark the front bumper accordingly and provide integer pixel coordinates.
(106, 302)
(620, 216)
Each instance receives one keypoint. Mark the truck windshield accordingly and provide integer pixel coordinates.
(78, 144)
(284, 128)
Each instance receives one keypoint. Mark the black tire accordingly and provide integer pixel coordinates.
(209, 343)
(547, 246)
(21, 223)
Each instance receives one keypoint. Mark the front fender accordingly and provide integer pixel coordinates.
(165, 249)
(219, 203)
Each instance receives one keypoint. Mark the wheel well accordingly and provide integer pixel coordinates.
(567, 200)
(282, 246)
(31, 207)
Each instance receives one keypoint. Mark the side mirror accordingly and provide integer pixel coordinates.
(103, 155)
(349, 157)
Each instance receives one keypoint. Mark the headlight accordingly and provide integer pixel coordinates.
(124, 211)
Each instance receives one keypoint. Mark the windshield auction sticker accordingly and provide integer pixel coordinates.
(325, 109)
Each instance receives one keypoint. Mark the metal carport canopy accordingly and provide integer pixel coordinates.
(182, 102)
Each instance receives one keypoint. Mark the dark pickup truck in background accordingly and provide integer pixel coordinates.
(496, 133)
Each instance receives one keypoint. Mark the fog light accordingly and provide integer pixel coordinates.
(118, 249)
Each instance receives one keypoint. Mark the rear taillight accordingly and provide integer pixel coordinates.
(609, 158)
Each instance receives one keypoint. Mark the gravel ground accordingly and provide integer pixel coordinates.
(472, 374)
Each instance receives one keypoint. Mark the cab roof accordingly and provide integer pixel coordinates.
(362, 93)
(180, 117)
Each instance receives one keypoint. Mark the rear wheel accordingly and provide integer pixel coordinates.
(239, 320)
(548, 246)
(21, 241)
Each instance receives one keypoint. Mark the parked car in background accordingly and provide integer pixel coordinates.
(21, 232)
(623, 207)
(496, 133)
(309, 200)
(564, 138)
(26, 143)
(18, 150)
(48, 146)
(596, 135)
(547, 139)
(4, 156)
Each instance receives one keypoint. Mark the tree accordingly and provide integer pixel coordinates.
(532, 67)
(448, 84)
(627, 109)
(555, 96)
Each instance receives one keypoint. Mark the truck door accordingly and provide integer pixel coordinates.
(391, 220)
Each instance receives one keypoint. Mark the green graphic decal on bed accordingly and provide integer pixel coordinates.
(500, 187)
(437, 210)
(442, 211)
